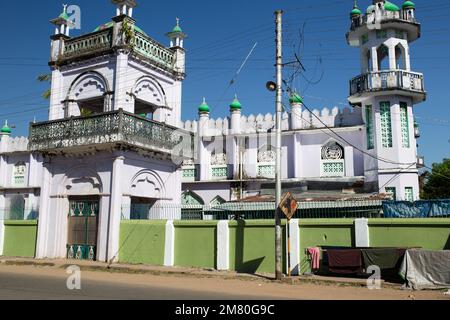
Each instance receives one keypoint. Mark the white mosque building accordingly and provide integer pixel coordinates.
(115, 125)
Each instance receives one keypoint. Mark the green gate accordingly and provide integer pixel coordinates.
(83, 229)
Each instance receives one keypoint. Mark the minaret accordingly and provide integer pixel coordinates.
(203, 132)
(235, 110)
(296, 103)
(177, 37)
(5, 133)
(63, 23)
(387, 91)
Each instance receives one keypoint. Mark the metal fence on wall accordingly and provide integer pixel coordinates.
(253, 211)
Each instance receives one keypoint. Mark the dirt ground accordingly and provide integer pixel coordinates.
(199, 287)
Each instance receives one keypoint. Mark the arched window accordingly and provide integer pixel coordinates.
(19, 172)
(383, 57)
(266, 162)
(219, 167)
(333, 160)
(217, 201)
(400, 57)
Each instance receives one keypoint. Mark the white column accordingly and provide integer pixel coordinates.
(296, 116)
(103, 219)
(294, 231)
(115, 212)
(223, 246)
(56, 108)
(44, 213)
(392, 60)
(349, 162)
(236, 121)
(120, 87)
(374, 56)
(169, 249)
(362, 239)
(3, 171)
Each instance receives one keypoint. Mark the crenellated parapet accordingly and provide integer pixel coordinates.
(260, 123)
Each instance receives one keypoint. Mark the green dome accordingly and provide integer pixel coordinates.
(355, 12)
(409, 5)
(203, 108)
(389, 6)
(235, 105)
(110, 25)
(5, 129)
(177, 29)
(295, 99)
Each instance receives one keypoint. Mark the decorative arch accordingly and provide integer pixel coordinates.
(217, 201)
(149, 90)
(88, 85)
(190, 198)
(383, 57)
(332, 151)
(400, 56)
(81, 181)
(147, 184)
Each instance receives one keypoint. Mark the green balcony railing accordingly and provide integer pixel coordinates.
(106, 128)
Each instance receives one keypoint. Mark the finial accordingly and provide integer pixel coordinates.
(178, 21)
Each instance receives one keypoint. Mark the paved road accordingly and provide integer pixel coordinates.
(31, 283)
(15, 286)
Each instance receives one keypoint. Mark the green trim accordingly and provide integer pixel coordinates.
(6, 129)
(111, 24)
(410, 222)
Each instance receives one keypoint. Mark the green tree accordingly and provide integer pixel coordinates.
(437, 185)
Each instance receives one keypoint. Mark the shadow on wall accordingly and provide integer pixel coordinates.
(250, 267)
(447, 245)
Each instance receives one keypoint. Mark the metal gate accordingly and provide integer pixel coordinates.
(83, 229)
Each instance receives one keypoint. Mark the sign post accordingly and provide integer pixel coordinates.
(289, 207)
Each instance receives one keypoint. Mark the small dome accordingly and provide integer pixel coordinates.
(389, 6)
(370, 9)
(5, 129)
(235, 105)
(110, 25)
(409, 5)
(203, 108)
(177, 29)
(295, 99)
(355, 11)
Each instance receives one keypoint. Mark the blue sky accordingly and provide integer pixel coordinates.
(221, 34)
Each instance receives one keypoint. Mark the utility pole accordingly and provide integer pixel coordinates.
(279, 111)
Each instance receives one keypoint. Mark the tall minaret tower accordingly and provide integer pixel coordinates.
(387, 90)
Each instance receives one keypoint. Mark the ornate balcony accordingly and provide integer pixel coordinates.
(385, 19)
(102, 42)
(396, 82)
(105, 131)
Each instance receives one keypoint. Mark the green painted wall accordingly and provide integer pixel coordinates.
(142, 242)
(431, 234)
(195, 244)
(252, 246)
(20, 239)
(321, 232)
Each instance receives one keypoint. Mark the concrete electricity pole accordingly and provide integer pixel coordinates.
(279, 111)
